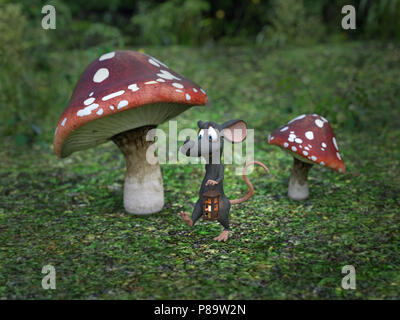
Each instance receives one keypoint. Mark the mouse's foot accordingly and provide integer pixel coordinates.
(185, 217)
(223, 236)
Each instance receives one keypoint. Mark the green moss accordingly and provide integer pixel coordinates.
(69, 212)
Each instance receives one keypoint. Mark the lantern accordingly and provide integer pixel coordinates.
(211, 205)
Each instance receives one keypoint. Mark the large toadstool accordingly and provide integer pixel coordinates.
(121, 96)
(309, 138)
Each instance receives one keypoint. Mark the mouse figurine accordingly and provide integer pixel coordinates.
(212, 203)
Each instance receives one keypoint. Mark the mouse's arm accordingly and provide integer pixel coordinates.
(219, 179)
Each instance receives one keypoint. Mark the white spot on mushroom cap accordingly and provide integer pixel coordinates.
(160, 80)
(188, 97)
(101, 75)
(157, 61)
(167, 75)
(178, 90)
(313, 158)
(319, 123)
(291, 138)
(298, 140)
(88, 110)
(294, 149)
(335, 144)
(178, 85)
(100, 111)
(338, 155)
(309, 135)
(286, 144)
(323, 145)
(113, 95)
(322, 163)
(133, 87)
(195, 90)
(88, 101)
(63, 122)
(106, 56)
(122, 103)
(202, 91)
(112, 107)
(284, 129)
(153, 62)
(55, 131)
(307, 148)
(305, 153)
(151, 82)
(297, 118)
(91, 94)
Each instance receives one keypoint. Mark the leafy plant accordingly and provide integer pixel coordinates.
(291, 23)
(382, 18)
(173, 22)
(24, 98)
(99, 34)
(14, 90)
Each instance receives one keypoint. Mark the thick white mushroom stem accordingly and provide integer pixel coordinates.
(298, 185)
(143, 189)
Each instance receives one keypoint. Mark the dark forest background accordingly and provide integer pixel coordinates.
(30, 54)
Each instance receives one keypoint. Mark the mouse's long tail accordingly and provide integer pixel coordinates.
(251, 189)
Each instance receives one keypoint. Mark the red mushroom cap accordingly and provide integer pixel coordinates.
(309, 138)
(109, 93)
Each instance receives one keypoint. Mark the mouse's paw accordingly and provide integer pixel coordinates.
(211, 183)
(223, 236)
(185, 217)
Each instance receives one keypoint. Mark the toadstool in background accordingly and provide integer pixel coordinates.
(309, 138)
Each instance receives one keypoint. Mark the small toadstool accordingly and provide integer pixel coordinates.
(121, 96)
(310, 140)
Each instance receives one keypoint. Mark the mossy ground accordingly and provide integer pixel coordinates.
(68, 213)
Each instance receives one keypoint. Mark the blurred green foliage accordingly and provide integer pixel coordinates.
(382, 18)
(99, 34)
(34, 77)
(291, 23)
(20, 79)
(173, 22)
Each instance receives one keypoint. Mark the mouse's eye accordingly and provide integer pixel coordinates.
(212, 134)
(201, 134)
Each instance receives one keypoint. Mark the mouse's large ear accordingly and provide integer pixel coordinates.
(234, 130)
(200, 123)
